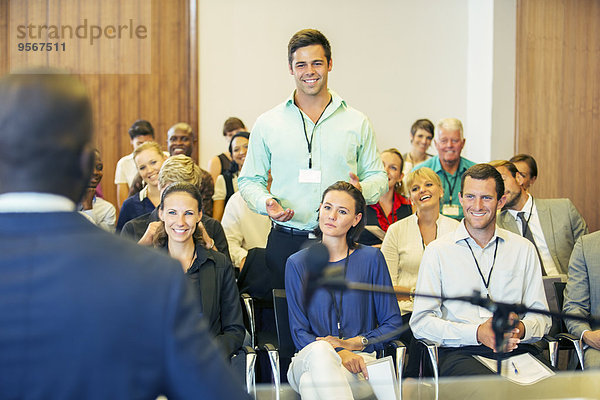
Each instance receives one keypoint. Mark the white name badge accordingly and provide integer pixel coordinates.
(309, 176)
(450, 209)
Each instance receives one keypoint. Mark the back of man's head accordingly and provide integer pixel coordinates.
(141, 127)
(45, 134)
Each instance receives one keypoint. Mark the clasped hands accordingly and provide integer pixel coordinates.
(351, 361)
(485, 334)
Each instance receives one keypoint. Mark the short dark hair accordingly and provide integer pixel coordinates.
(506, 164)
(527, 159)
(360, 207)
(484, 172)
(141, 127)
(234, 167)
(53, 107)
(160, 238)
(424, 124)
(231, 124)
(308, 37)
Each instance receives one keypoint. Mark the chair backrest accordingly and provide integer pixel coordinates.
(559, 288)
(282, 321)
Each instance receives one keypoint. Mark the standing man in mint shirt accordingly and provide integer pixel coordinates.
(310, 141)
(448, 164)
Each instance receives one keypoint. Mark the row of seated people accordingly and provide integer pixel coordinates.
(428, 179)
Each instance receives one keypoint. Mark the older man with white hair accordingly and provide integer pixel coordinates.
(448, 164)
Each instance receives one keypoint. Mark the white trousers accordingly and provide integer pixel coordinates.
(316, 372)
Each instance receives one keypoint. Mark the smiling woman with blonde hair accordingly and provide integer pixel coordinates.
(148, 158)
(406, 240)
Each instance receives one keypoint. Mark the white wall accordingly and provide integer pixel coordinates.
(395, 60)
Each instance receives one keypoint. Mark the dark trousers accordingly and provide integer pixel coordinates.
(280, 246)
(459, 361)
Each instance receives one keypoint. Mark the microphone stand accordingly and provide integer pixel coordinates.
(500, 311)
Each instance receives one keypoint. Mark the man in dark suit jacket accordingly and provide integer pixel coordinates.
(555, 224)
(84, 314)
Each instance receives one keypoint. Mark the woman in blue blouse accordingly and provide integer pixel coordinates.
(336, 332)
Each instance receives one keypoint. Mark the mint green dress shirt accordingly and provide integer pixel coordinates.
(343, 141)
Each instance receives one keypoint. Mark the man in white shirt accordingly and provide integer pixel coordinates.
(140, 132)
(552, 225)
(478, 256)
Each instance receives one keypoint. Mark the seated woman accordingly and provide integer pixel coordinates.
(421, 136)
(336, 332)
(406, 240)
(222, 162)
(392, 206)
(180, 211)
(148, 159)
(226, 183)
(98, 210)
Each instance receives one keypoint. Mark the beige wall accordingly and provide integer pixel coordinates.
(395, 60)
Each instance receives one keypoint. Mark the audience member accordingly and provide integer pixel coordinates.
(582, 295)
(244, 229)
(100, 211)
(421, 135)
(552, 225)
(84, 314)
(391, 207)
(148, 159)
(176, 169)
(478, 256)
(527, 168)
(140, 132)
(211, 272)
(180, 140)
(226, 184)
(336, 332)
(303, 163)
(406, 240)
(449, 164)
(218, 164)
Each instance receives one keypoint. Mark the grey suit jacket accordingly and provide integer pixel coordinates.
(582, 295)
(561, 224)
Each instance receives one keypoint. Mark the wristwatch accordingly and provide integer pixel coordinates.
(364, 341)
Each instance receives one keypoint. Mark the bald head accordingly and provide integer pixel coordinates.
(45, 134)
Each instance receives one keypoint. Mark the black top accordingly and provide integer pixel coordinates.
(366, 237)
(136, 228)
(212, 275)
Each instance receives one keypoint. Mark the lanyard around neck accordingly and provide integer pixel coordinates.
(486, 283)
(338, 308)
(312, 134)
(451, 187)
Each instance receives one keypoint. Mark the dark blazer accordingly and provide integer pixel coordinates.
(136, 228)
(561, 224)
(366, 237)
(212, 275)
(87, 315)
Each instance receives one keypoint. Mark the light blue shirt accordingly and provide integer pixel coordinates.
(343, 142)
(450, 183)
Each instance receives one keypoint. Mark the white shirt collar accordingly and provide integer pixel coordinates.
(461, 233)
(32, 202)
(527, 208)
